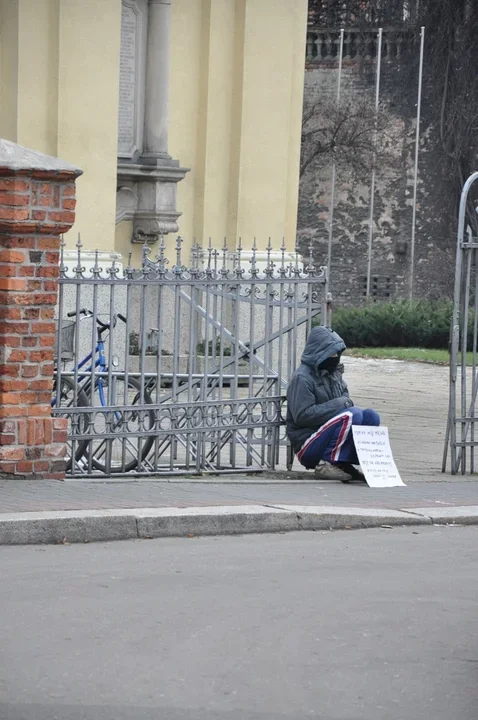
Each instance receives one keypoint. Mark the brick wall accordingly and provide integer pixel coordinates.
(37, 202)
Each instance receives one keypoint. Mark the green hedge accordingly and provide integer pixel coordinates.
(421, 323)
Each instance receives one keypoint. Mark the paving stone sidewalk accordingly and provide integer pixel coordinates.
(412, 399)
(26, 496)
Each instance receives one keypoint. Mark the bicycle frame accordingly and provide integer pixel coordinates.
(100, 362)
(86, 374)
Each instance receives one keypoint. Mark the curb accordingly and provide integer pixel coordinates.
(72, 526)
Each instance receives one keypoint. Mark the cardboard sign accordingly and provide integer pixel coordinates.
(375, 456)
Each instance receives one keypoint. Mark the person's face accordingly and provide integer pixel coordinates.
(330, 363)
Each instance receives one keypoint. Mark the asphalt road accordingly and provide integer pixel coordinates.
(367, 625)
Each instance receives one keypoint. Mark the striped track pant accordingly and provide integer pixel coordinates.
(334, 441)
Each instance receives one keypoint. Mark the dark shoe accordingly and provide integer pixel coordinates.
(331, 471)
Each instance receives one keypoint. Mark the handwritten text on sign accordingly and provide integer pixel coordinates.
(375, 456)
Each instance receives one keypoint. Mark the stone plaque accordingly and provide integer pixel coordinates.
(130, 79)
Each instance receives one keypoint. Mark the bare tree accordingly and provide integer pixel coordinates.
(332, 13)
(450, 82)
(352, 134)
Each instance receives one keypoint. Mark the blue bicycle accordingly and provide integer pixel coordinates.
(118, 438)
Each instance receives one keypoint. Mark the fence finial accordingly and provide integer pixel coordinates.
(146, 264)
(161, 259)
(128, 271)
(224, 270)
(79, 269)
(215, 255)
(282, 269)
(178, 268)
(238, 269)
(209, 255)
(113, 270)
(96, 270)
(63, 268)
(253, 260)
(269, 271)
(310, 268)
(195, 249)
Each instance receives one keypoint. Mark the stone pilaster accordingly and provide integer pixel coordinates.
(157, 83)
(147, 184)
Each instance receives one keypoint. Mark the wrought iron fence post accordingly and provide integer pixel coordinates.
(459, 343)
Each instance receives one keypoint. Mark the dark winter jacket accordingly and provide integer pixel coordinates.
(314, 396)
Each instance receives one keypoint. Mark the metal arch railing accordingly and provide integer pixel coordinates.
(463, 390)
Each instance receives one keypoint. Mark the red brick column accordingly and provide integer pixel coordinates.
(37, 202)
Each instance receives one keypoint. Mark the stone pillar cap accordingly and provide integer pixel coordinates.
(18, 160)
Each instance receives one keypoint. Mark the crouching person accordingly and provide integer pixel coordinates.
(320, 413)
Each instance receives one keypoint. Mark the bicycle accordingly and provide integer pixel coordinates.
(70, 396)
(119, 394)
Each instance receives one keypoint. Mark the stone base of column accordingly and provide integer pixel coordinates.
(157, 159)
(147, 196)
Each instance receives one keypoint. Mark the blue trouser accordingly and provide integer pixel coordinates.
(334, 441)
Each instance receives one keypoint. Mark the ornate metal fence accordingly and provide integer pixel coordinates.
(167, 369)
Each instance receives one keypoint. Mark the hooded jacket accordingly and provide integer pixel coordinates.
(314, 396)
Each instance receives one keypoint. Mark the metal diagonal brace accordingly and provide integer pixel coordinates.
(246, 350)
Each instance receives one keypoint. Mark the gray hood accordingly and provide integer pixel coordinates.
(321, 344)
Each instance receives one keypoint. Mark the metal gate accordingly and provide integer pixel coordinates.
(167, 369)
(461, 436)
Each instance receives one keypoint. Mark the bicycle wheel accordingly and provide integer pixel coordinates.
(126, 429)
(77, 424)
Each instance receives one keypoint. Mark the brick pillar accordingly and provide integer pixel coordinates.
(37, 202)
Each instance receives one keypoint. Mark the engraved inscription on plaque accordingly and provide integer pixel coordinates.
(127, 119)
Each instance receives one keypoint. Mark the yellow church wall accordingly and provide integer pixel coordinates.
(37, 122)
(237, 69)
(236, 83)
(59, 67)
(8, 69)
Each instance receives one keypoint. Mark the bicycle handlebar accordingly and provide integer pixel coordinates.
(84, 311)
(89, 313)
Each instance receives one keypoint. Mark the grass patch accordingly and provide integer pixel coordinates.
(426, 355)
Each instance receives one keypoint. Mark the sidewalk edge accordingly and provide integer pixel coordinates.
(72, 526)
